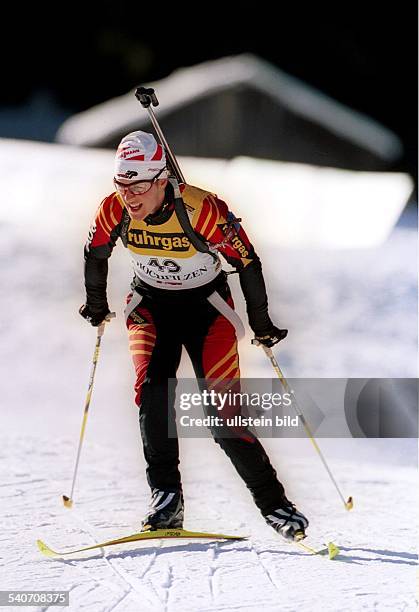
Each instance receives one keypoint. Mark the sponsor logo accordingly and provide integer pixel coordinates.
(129, 174)
(156, 275)
(161, 242)
(160, 275)
(231, 238)
(239, 246)
(126, 152)
(137, 318)
(90, 236)
(195, 273)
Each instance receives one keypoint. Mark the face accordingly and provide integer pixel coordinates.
(140, 206)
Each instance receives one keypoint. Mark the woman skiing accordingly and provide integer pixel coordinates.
(180, 297)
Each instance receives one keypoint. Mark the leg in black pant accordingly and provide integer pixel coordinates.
(156, 351)
(216, 340)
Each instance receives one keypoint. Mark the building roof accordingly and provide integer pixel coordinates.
(120, 115)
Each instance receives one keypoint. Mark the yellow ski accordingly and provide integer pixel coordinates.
(158, 534)
(332, 550)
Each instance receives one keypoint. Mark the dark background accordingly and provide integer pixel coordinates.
(78, 56)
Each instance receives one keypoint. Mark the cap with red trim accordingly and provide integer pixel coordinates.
(139, 157)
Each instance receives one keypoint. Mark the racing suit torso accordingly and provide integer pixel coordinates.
(166, 265)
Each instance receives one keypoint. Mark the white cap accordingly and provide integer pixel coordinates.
(139, 157)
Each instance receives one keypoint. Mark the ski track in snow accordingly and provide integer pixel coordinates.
(375, 570)
(135, 586)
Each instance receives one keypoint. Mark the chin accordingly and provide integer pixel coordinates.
(138, 216)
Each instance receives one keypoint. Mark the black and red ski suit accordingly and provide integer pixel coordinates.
(168, 308)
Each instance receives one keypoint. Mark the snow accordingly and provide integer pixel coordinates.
(376, 566)
(350, 313)
(315, 207)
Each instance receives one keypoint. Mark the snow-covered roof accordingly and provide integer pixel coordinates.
(124, 113)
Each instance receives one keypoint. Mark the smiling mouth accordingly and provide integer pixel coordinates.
(134, 208)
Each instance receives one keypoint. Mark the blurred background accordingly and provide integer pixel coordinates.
(54, 65)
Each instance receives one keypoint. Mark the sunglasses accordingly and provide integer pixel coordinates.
(136, 187)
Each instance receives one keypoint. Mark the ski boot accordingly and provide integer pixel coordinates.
(165, 511)
(288, 521)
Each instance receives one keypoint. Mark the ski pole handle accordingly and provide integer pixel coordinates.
(146, 96)
(101, 327)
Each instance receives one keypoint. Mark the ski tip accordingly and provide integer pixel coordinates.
(45, 550)
(68, 503)
(333, 550)
(349, 504)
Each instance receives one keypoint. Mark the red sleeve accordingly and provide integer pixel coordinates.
(218, 225)
(108, 216)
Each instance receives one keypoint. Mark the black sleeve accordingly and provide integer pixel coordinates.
(254, 291)
(238, 251)
(96, 272)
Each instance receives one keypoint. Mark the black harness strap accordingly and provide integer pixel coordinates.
(185, 223)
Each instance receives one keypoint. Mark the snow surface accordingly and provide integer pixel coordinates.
(314, 206)
(375, 570)
(350, 313)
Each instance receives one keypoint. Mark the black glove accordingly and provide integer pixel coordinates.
(273, 337)
(94, 318)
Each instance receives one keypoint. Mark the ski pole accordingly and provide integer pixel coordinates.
(68, 501)
(147, 98)
(268, 351)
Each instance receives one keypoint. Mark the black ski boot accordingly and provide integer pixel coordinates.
(165, 511)
(288, 521)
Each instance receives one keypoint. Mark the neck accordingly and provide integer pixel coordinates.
(160, 204)
(162, 212)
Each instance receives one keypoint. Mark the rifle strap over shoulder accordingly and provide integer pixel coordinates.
(185, 222)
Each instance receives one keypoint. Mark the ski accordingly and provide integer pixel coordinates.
(157, 534)
(331, 549)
